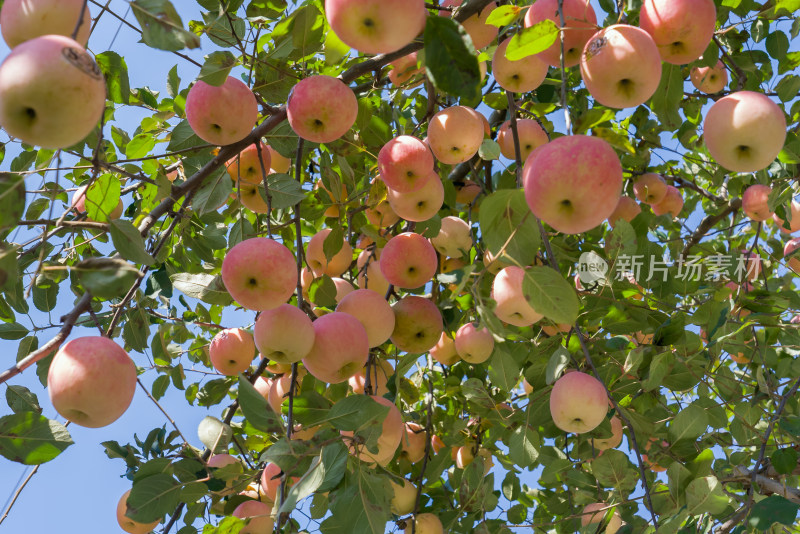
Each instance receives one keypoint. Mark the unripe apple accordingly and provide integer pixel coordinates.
(755, 202)
(378, 378)
(340, 349)
(467, 193)
(372, 311)
(280, 163)
(444, 351)
(424, 524)
(223, 114)
(52, 93)
(455, 135)
(376, 26)
(581, 24)
(22, 20)
(672, 203)
(383, 215)
(321, 108)
(126, 523)
(404, 497)
(214, 434)
(389, 440)
(283, 334)
(794, 223)
(589, 518)
(259, 273)
(454, 239)
(258, 516)
(650, 188)
(91, 381)
(408, 261)
(521, 76)
(621, 67)
(709, 80)
(231, 351)
(531, 135)
(315, 256)
(250, 197)
(573, 183)
(627, 209)
(744, 131)
(405, 164)
(418, 324)
(578, 402)
(512, 306)
(263, 385)
(482, 34)
(681, 29)
(472, 345)
(403, 69)
(614, 440)
(794, 262)
(419, 205)
(246, 166)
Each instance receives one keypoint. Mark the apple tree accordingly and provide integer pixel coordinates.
(433, 267)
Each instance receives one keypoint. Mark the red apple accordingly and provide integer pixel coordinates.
(340, 348)
(259, 273)
(709, 80)
(682, 29)
(321, 108)
(580, 25)
(755, 202)
(405, 164)
(376, 26)
(374, 313)
(221, 115)
(578, 402)
(418, 324)
(408, 261)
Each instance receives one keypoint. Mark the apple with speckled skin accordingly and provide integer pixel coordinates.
(223, 114)
(682, 29)
(755, 202)
(419, 205)
(418, 324)
(376, 26)
(521, 76)
(627, 209)
(283, 334)
(321, 108)
(52, 93)
(620, 66)
(91, 381)
(455, 134)
(340, 349)
(581, 24)
(474, 345)
(408, 261)
(573, 183)
(374, 313)
(22, 20)
(129, 525)
(246, 166)
(578, 402)
(315, 256)
(405, 164)
(531, 135)
(259, 273)
(744, 131)
(672, 203)
(231, 351)
(709, 80)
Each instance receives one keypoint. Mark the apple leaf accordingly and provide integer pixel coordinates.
(205, 287)
(213, 193)
(688, 424)
(450, 58)
(503, 370)
(322, 291)
(106, 278)
(333, 242)
(12, 199)
(129, 242)
(523, 446)
(183, 137)
(216, 68)
(773, 509)
(115, 70)
(32, 439)
(256, 410)
(21, 399)
(667, 98)
(325, 473)
(705, 496)
(659, 368)
(152, 497)
(506, 221)
(361, 505)
(284, 190)
(504, 15)
(532, 40)
(549, 294)
(162, 27)
(556, 364)
(102, 197)
(356, 412)
(613, 469)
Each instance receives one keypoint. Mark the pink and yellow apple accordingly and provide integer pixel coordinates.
(424, 524)
(378, 378)
(231, 351)
(580, 25)
(794, 218)
(650, 188)
(372, 311)
(405, 164)
(474, 345)
(600, 509)
(403, 69)
(682, 29)
(370, 275)
(531, 135)
(376, 26)
(259, 273)
(283, 334)
(250, 196)
(454, 239)
(404, 497)
(614, 440)
(521, 76)
(246, 166)
(319, 263)
(791, 247)
(413, 442)
(672, 203)
(223, 114)
(627, 209)
(444, 351)
(482, 34)
(22, 20)
(321, 108)
(755, 202)
(578, 402)
(129, 525)
(455, 134)
(340, 348)
(709, 80)
(91, 381)
(258, 516)
(389, 440)
(418, 324)
(408, 261)
(512, 306)
(419, 205)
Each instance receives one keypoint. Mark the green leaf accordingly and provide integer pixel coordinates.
(115, 71)
(523, 446)
(152, 497)
(102, 197)
(784, 460)
(503, 370)
(12, 199)
(333, 242)
(140, 146)
(322, 291)
(450, 58)
(12, 331)
(549, 294)
(690, 423)
(214, 192)
(777, 44)
(325, 473)
(614, 469)
(285, 191)
(659, 368)
(106, 278)
(20, 399)
(667, 98)
(205, 287)
(556, 364)
(256, 410)
(773, 509)
(788, 87)
(32, 439)
(162, 27)
(705, 496)
(129, 242)
(504, 15)
(532, 40)
(506, 220)
(216, 67)
(361, 506)
(489, 150)
(183, 137)
(356, 412)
